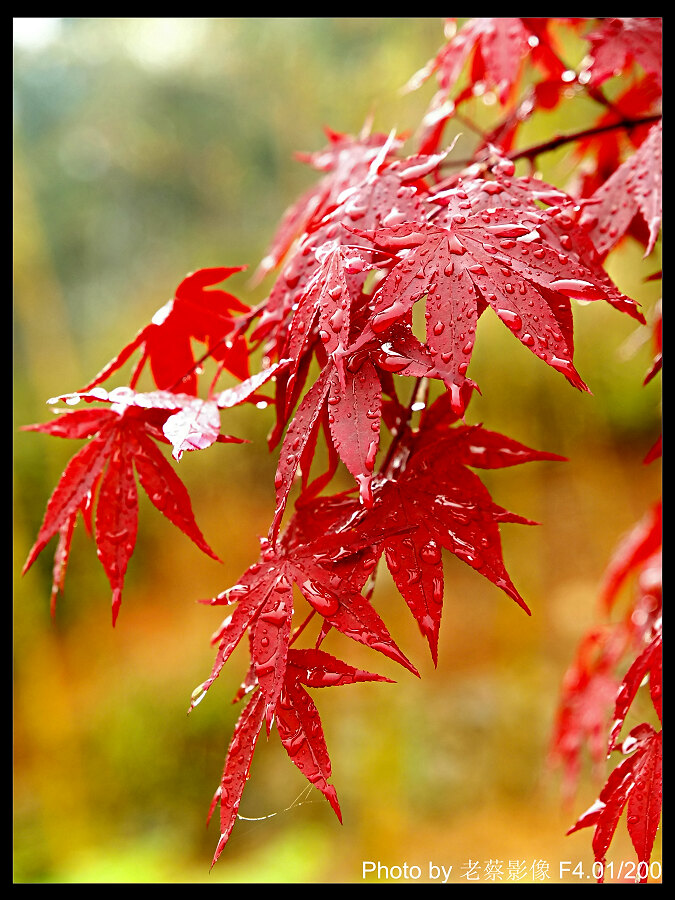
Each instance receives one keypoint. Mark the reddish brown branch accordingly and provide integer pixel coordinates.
(562, 139)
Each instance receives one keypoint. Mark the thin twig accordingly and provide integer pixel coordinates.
(562, 139)
(298, 631)
(401, 428)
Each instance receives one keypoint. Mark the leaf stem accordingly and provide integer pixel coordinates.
(401, 428)
(242, 325)
(298, 631)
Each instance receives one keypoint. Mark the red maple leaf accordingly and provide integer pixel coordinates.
(647, 665)
(120, 441)
(320, 324)
(386, 194)
(634, 785)
(187, 422)
(634, 189)
(636, 782)
(605, 149)
(618, 42)
(559, 226)
(299, 727)
(265, 607)
(458, 261)
(427, 501)
(194, 312)
(583, 716)
(635, 550)
(346, 160)
(236, 770)
(351, 401)
(497, 48)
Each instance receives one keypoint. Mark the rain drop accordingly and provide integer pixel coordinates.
(431, 553)
(510, 318)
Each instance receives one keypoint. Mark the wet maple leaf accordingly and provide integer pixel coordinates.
(583, 716)
(559, 226)
(298, 720)
(264, 608)
(388, 193)
(346, 160)
(194, 312)
(319, 305)
(442, 504)
(635, 549)
(618, 42)
(496, 256)
(299, 435)
(352, 403)
(320, 325)
(432, 501)
(236, 770)
(636, 782)
(647, 665)
(187, 422)
(496, 49)
(606, 148)
(634, 189)
(635, 785)
(120, 441)
(299, 727)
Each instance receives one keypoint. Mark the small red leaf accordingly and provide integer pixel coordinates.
(354, 418)
(318, 669)
(237, 766)
(618, 41)
(298, 434)
(194, 312)
(165, 489)
(648, 662)
(634, 549)
(302, 736)
(635, 782)
(633, 189)
(76, 482)
(269, 643)
(117, 518)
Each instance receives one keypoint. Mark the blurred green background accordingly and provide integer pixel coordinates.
(145, 149)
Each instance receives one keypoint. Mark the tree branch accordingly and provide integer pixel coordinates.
(562, 139)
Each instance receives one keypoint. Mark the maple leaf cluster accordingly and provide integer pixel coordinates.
(383, 233)
(595, 702)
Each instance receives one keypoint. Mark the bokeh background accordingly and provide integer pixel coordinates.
(145, 149)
